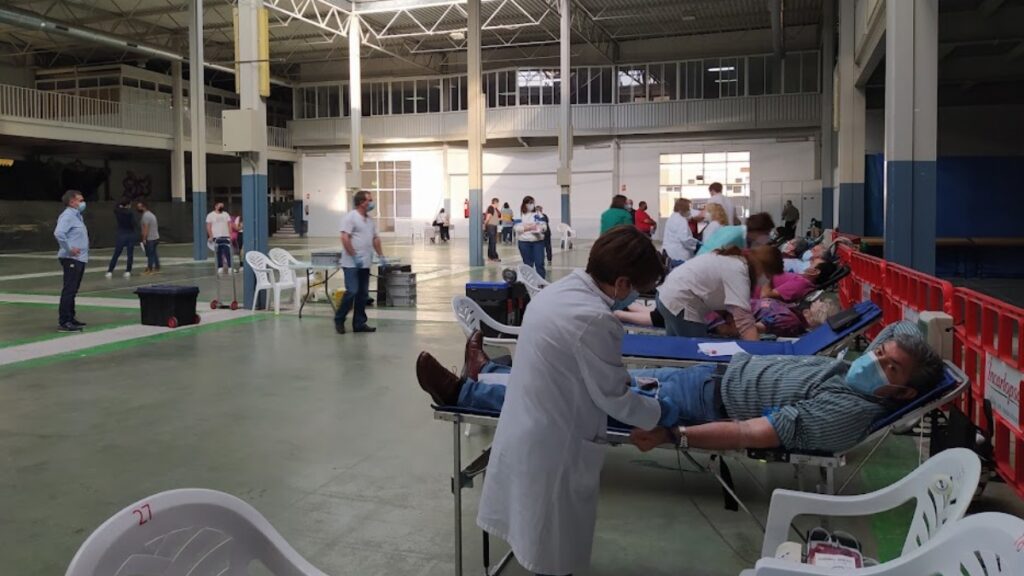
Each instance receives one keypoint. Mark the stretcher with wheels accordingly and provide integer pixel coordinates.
(953, 384)
(684, 351)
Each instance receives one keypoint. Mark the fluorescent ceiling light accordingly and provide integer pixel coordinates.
(721, 69)
(728, 80)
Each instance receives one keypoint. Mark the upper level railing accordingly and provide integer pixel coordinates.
(143, 119)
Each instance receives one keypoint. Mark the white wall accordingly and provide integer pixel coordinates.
(511, 173)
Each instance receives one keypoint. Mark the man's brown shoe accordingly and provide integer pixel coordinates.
(438, 381)
(475, 358)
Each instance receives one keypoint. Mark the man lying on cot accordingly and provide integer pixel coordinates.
(801, 403)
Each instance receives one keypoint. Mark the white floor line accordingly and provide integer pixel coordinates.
(85, 340)
(81, 300)
(94, 269)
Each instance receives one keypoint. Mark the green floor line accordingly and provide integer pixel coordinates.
(130, 343)
(896, 458)
(55, 334)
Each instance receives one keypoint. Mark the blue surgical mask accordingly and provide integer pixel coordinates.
(806, 257)
(625, 302)
(81, 206)
(370, 206)
(866, 375)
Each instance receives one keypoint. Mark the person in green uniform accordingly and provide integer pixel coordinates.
(616, 215)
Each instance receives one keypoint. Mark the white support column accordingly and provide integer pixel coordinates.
(565, 111)
(827, 154)
(178, 129)
(197, 114)
(851, 126)
(616, 166)
(476, 133)
(255, 207)
(911, 114)
(355, 98)
(446, 187)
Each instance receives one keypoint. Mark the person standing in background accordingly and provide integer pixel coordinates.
(218, 229)
(443, 223)
(73, 238)
(530, 231)
(150, 236)
(616, 214)
(790, 216)
(507, 216)
(360, 240)
(125, 236)
(491, 218)
(238, 237)
(715, 189)
(679, 243)
(643, 221)
(547, 231)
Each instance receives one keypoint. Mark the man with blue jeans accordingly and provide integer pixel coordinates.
(73, 239)
(359, 239)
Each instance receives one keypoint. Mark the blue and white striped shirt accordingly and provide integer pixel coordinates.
(805, 398)
(72, 233)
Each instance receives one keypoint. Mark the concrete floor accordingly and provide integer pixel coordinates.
(328, 436)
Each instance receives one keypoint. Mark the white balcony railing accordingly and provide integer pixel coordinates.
(144, 118)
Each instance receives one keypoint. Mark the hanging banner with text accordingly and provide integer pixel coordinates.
(1002, 389)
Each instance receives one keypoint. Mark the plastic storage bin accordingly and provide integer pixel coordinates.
(495, 299)
(166, 305)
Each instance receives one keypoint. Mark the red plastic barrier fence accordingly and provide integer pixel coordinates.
(987, 347)
(848, 287)
(911, 292)
(868, 273)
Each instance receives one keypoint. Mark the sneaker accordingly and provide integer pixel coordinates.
(339, 328)
(109, 275)
(69, 327)
(231, 270)
(220, 271)
(127, 274)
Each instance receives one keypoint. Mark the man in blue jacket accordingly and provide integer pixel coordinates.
(73, 239)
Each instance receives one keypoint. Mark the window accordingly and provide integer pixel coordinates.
(713, 77)
(434, 95)
(755, 75)
(689, 175)
(791, 73)
(809, 72)
(633, 84)
(391, 185)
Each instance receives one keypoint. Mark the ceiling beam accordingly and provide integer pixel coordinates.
(592, 32)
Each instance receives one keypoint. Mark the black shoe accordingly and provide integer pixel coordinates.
(369, 301)
(339, 328)
(77, 323)
(69, 327)
(364, 329)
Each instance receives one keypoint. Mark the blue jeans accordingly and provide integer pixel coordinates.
(124, 240)
(357, 290)
(691, 389)
(677, 326)
(533, 255)
(152, 258)
(223, 252)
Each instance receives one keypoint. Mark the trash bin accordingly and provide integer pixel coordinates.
(168, 305)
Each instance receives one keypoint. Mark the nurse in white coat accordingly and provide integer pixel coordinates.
(541, 488)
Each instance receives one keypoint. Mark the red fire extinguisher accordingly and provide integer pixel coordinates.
(465, 208)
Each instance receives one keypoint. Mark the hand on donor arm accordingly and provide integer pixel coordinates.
(647, 440)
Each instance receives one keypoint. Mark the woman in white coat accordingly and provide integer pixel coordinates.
(540, 492)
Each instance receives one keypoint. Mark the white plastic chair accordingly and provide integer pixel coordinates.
(261, 267)
(284, 260)
(531, 279)
(471, 317)
(942, 486)
(191, 531)
(567, 233)
(990, 544)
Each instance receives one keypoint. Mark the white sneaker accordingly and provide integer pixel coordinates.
(109, 275)
(231, 270)
(220, 271)
(127, 274)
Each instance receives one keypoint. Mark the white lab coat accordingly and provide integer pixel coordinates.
(540, 492)
(679, 242)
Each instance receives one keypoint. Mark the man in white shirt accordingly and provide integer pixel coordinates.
(715, 189)
(218, 229)
(360, 240)
(679, 242)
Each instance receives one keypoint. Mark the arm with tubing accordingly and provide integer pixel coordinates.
(606, 379)
(727, 435)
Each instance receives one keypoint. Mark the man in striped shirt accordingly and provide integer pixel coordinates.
(801, 403)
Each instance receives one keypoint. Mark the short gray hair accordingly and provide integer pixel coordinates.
(928, 368)
(69, 196)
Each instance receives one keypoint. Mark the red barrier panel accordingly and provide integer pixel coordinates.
(849, 286)
(911, 292)
(868, 273)
(987, 347)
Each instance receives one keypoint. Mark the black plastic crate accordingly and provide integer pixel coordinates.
(168, 305)
(495, 300)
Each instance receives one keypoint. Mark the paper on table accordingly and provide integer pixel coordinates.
(719, 349)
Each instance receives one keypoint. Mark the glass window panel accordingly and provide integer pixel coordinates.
(524, 79)
(434, 95)
(791, 73)
(369, 176)
(403, 203)
(463, 90)
(536, 87)
(491, 89)
(715, 157)
(656, 82)
(310, 96)
(387, 177)
(451, 94)
(556, 86)
(712, 74)
(144, 84)
(738, 156)
(737, 173)
(420, 98)
(607, 82)
(670, 81)
(694, 79)
(729, 77)
(691, 173)
(755, 75)
(409, 97)
(573, 75)
(583, 89)
(403, 178)
(693, 158)
(321, 102)
(670, 159)
(671, 175)
(386, 165)
(626, 83)
(344, 100)
(595, 90)
(772, 75)
(715, 171)
(396, 98)
(809, 72)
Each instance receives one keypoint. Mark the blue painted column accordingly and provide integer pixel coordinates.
(911, 113)
(851, 127)
(475, 150)
(256, 217)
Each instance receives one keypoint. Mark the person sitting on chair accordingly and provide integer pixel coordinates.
(801, 403)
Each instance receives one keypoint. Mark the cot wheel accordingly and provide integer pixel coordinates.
(172, 322)
(214, 304)
(198, 319)
(234, 305)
